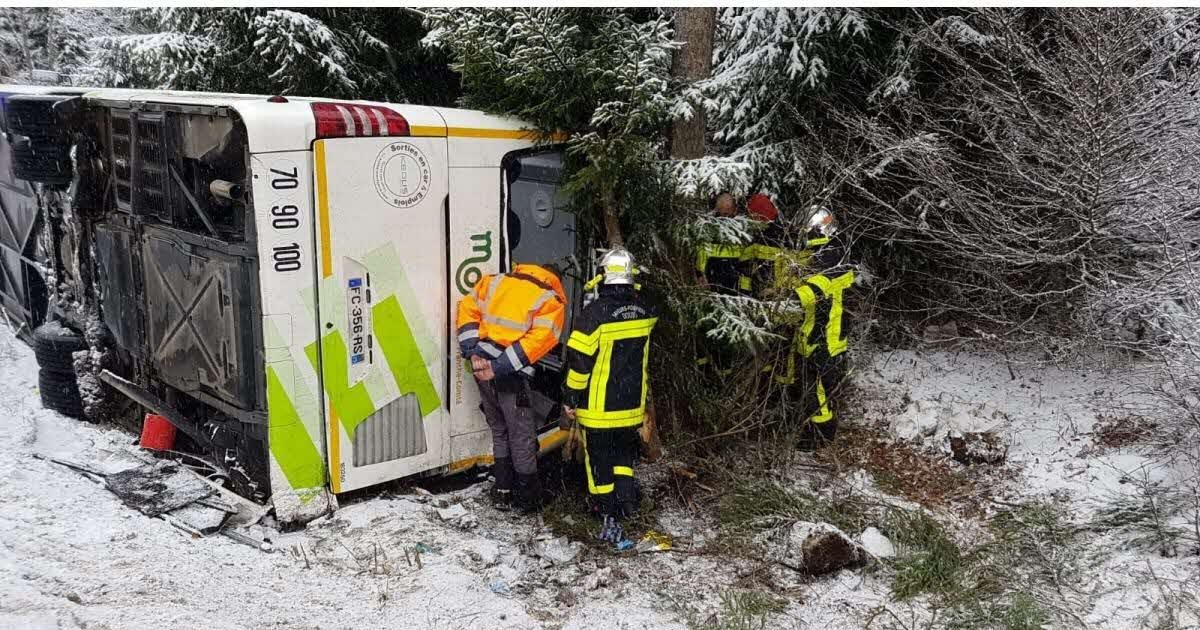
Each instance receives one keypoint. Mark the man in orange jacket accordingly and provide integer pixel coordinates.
(506, 324)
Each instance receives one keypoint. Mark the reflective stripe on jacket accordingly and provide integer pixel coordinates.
(607, 356)
(721, 265)
(512, 319)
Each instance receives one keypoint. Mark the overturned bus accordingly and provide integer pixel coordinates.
(275, 276)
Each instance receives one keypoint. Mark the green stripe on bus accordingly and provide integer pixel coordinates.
(403, 355)
(290, 443)
(352, 404)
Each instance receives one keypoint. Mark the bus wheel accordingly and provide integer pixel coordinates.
(60, 392)
(54, 345)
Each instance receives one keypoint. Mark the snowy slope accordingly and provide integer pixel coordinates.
(72, 556)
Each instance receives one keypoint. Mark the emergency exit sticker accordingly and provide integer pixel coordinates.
(360, 344)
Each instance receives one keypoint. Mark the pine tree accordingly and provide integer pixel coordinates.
(371, 54)
(768, 61)
(600, 75)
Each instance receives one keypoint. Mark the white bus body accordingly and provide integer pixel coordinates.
(365, 223)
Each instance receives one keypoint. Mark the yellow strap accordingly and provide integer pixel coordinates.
(623, 471)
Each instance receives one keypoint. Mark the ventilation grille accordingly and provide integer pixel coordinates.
(150, 168)
(122, 157)
(394, 432)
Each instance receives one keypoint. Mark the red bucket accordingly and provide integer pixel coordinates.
(157, 433)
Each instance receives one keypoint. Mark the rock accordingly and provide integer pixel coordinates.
(876, 544)
(558, 550)
(977, 448)
(820, 548)
(599, 579)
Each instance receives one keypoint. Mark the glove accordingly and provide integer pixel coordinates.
(566, 419)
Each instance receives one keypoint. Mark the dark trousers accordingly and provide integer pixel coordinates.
(821, 379)
(505, 405)
(609, 455)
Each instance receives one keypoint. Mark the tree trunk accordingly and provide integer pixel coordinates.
(692, 62)
(612, 226)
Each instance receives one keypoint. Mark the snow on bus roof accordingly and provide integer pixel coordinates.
(454, 117)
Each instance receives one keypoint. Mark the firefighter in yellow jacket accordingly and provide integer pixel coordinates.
(506, 324)
(606, 388)
(821, 340)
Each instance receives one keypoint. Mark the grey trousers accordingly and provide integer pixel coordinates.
(513, 432)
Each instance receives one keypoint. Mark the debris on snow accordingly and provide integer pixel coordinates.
(457, 515)
(558, 551)
(654, 541)
(158, 487)
(977, 448)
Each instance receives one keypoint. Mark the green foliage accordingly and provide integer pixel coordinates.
(750, 506)
(601, 76)
(929, 561)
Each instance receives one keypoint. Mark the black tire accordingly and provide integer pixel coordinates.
(60, 392)
(54, 346)
(41, 145)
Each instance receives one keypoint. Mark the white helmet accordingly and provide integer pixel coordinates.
(617, 265)
(821, 222)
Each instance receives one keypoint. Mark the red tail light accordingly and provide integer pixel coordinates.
(348, 120)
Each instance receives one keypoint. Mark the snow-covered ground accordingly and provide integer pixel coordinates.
(73, 556)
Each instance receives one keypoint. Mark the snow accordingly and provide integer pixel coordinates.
(876, 543)
(73, 556)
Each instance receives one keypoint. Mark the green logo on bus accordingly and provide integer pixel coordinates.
(468, 272)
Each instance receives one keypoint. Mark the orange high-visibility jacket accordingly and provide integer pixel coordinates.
(512, 319)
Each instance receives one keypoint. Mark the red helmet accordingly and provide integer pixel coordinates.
(760, 207)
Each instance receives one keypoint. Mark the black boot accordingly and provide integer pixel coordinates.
(816, 435)
(528, 493)
(502, 489)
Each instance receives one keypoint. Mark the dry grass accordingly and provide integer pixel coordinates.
(901, 469)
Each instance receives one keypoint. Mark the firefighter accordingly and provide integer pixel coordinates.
(821, 340)
(506, 324)
(720, 264)
(606, 387)
(760, 258)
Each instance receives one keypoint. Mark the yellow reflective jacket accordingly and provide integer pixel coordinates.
(607, 357)
(512, 319)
